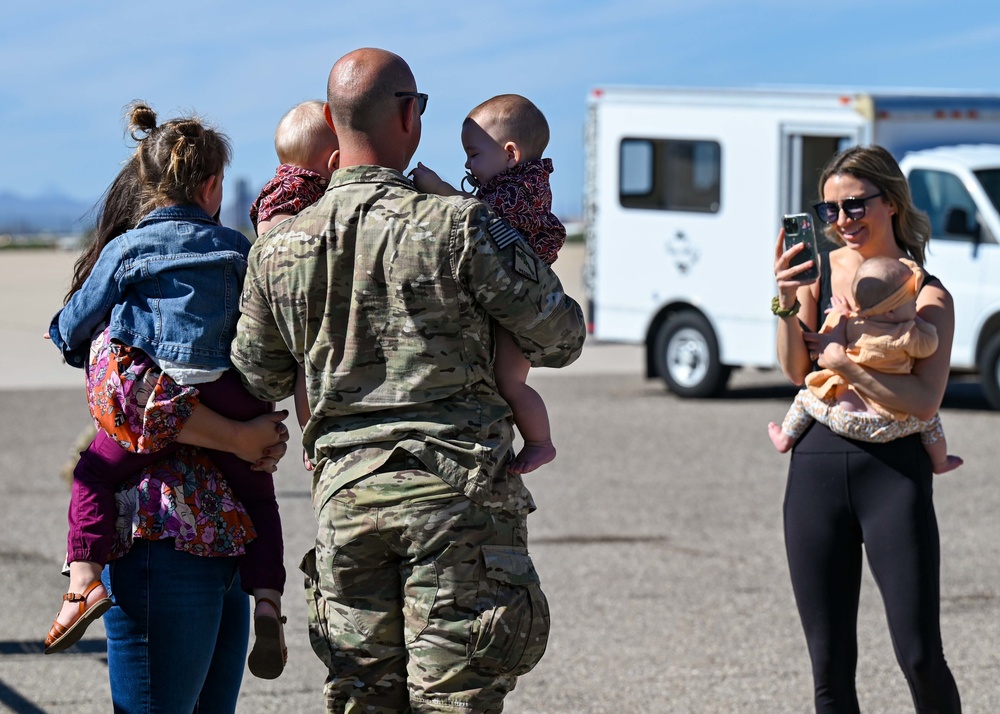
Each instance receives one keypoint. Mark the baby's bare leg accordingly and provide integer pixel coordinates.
(302, 411)
(794, 425)
(532, 420)
(937, 447)
(940, 458)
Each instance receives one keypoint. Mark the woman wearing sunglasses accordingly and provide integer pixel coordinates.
(842, 493)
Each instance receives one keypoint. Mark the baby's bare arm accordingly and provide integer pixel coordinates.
(264, 226)
(840, 304)
(427, 181)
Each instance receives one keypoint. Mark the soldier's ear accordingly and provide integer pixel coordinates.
(328, 116)
(409, 112)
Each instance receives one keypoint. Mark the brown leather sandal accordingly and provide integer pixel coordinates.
(61, 636)
(269, 655)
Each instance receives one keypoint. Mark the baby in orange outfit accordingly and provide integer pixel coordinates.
(886, 335)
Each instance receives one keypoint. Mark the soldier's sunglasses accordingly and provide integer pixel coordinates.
(419, 96)
(829, 211)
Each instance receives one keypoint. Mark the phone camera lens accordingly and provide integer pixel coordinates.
(791, 225)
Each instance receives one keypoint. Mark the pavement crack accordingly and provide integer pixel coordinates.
(596, 539)
(968, 602)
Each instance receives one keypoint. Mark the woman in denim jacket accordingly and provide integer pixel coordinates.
(162, 300)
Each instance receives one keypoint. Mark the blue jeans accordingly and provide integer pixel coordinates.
(177, 638)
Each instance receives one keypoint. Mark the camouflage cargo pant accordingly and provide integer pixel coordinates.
(421, 600)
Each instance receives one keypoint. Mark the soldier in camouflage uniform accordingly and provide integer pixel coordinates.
(421, 592)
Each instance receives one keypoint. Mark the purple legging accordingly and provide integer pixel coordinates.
(105, 465)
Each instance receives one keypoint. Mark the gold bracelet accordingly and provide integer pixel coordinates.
(790, 312)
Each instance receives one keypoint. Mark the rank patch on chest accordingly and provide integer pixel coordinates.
(524, 263)
(501, 233)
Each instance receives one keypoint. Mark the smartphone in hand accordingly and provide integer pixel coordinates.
(799, 229)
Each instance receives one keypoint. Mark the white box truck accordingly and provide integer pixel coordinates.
(685, 189)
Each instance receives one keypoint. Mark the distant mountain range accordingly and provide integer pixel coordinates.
(47, 213)
(54, 213)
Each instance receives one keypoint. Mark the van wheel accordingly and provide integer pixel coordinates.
(989, 371)
(687, 356)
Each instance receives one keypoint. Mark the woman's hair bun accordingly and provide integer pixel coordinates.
(141, 120)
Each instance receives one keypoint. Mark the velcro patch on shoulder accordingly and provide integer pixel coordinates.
(501, 233)
(524, 263)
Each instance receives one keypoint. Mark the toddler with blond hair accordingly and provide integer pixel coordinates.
(309, 154)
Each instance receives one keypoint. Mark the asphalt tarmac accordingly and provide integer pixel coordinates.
(657, 537)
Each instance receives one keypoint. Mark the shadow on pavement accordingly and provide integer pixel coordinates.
(83, 647)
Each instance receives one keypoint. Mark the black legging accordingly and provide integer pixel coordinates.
(843, 493)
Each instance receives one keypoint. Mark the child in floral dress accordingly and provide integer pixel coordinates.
(168, 291)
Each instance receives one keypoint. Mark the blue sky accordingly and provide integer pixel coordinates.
(70, 67)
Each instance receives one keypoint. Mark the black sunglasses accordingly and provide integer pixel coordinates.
(419, 96)
(829, 211)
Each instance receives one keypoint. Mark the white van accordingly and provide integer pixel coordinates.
(684, 193)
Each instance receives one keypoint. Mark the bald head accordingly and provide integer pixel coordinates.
(362, 88)
(877, 279)
(511, 117)
(303, 137)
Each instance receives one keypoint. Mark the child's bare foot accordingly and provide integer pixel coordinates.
(532, 455)
(268, 657)
(782, 441)
(81, 607)
(949, 464)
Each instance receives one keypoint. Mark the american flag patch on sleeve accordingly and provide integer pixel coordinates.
(501, 233)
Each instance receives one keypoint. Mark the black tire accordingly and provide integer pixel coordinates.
(989, 371)
(687, 356)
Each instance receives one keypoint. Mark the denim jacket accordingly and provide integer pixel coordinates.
(170, 286)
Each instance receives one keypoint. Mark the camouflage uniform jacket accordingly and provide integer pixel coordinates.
(388, 296)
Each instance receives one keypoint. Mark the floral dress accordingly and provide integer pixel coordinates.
(183, 496)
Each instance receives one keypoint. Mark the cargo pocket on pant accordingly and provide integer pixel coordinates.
(319, 630)
(510, 635)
